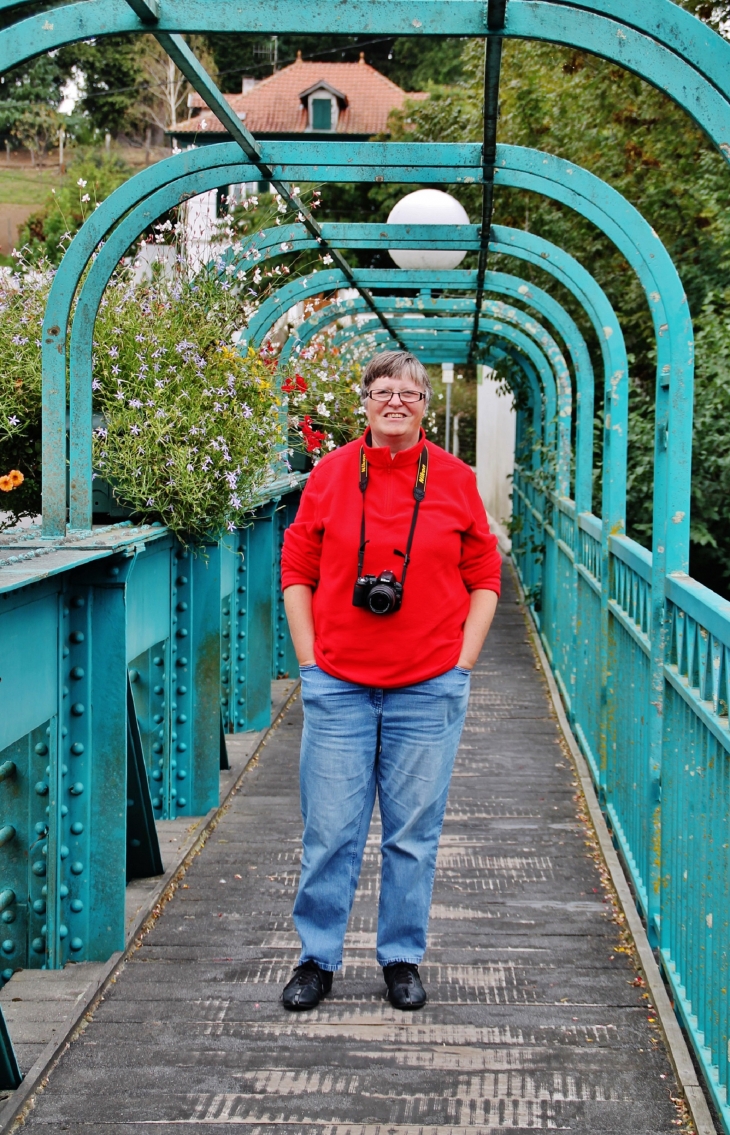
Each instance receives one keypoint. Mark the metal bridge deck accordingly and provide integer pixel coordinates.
(535, 1019)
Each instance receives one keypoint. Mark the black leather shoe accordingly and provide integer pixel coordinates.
(404, 986)
(307, 987)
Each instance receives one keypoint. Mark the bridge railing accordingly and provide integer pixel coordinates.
(124, 658)
(668, 810)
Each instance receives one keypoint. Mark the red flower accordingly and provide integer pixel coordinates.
(296, 383)
(313, 438)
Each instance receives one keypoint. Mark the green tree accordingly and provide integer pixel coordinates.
(411, 63)
(131, 84)
(29, 99)
(112, 70)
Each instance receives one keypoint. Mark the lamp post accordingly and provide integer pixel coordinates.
(447, 377)
(428, 207)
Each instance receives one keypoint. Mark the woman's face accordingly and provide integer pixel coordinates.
(395, 423)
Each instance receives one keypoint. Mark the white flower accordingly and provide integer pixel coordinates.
(86, 197)
(81, 183)
(327, 259)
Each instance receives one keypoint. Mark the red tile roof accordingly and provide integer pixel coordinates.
(273, 106)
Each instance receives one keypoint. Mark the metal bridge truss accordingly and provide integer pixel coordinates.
(124, 656)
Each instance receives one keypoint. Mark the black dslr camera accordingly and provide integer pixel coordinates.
(382, 594)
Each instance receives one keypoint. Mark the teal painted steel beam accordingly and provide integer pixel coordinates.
(431, 236)
(559, 396)
(148, 11)
(673, 428)
(496, 15)
(451, 163)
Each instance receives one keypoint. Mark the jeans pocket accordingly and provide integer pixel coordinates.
(309, 666)
(462, 670)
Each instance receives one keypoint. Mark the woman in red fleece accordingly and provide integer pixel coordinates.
(385, 661)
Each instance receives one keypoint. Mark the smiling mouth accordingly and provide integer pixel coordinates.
(395, 414)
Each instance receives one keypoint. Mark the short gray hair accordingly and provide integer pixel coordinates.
(395, 364)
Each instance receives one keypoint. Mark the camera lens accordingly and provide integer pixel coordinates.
(381, 599)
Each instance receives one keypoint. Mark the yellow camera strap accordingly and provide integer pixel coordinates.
(419, 492)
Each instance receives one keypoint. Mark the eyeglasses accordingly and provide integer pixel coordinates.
(404, 395)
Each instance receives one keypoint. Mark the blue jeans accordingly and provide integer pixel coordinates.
(356, 739)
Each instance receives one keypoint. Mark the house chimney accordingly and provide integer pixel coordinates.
(247, 84)
(362, 57)
(299, 56)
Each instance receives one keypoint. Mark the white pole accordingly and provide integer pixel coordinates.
(447, 377)
(495, 446)
(61, 140)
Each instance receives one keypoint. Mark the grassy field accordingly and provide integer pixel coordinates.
(20, 186)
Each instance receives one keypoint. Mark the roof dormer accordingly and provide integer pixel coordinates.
(323, 104)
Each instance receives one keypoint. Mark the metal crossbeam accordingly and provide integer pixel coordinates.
(147, 10)
(496, 18)
(186, 61)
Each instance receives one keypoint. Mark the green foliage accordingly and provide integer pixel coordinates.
(29, 98)
(189, 425)
(463, 408)
(410, 62)
(22, 303)
(112, 66)
(91, 178)
(187, 428)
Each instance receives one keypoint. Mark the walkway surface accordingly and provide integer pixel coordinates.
(536, 1019)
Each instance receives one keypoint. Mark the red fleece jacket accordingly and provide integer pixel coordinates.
(453, 553)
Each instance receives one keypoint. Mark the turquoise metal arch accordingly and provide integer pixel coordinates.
(615, 433)
(502, 322)
(560, 377)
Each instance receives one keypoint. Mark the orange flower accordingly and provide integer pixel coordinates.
(11, 481)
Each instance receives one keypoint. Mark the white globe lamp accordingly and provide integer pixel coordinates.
(428, 207)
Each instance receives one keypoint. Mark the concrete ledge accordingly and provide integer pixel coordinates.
(677, 1049)
(43, 1008)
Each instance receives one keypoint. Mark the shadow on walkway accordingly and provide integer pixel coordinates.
(534, 1021)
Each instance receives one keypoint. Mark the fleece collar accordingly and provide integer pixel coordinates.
(379, 456)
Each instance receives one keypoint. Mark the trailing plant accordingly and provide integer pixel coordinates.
(23, 294)
(190, 426)
(187, 428)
